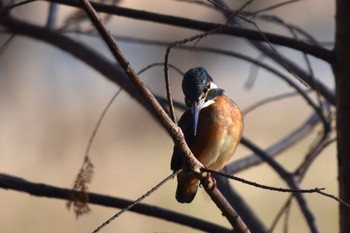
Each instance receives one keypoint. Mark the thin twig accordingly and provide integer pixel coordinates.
(335, 198)
(160, 64)
(277, 54)
(294, 32)
(6, 43)
(275, 6)
(314, 190)
(97, 126)
(13, 5)
(290, 180)
(302, 169)
(253, 73)
(155, 188)
(286, 218)
(84, 177)
(269, 100)
(320, 144)
(280, 213)
(291, 27)
(276, 148)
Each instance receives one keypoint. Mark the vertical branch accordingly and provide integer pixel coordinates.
(342, 82)
(52, 15)
(167, 86)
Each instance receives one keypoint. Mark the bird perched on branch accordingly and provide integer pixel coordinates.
(212, 128)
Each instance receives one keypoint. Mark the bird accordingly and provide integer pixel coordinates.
(212, 128)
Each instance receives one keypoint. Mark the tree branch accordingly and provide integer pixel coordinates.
(284, 61)
(283, 144)
(174, 131)
(50, 191)
(290, 180)
(247, 214)
(315, 51)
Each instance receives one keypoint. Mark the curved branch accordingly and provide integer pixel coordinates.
(289, 179)
(44, 190)
(315, 51)
(285, 61)
(275, 149)
(245, 58)
(111, 71)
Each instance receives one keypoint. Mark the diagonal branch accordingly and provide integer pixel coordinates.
(174, 131)
(290, 180)
(275, 149)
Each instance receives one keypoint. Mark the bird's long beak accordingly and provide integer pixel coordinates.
(196, 108)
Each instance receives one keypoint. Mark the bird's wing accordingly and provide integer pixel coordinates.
(186, 124)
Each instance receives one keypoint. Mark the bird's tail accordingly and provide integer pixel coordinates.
(187, 186)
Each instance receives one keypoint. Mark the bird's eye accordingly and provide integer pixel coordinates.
(188, 102)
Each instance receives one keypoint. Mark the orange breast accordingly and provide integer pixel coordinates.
(219, 131)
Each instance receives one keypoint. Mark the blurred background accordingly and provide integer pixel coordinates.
(50, 103)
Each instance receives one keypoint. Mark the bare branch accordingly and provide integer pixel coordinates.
(286, 142)
(286, 206)
(85, 174)
(227, 211)
(316, 51)
(275, 6)
(44, 190)
(52, 16)
(155, 188)
(290, 180)
(269, 100)
(257, 185)
(334, 197)
(6, 43)
(173, 130)
(248, 215)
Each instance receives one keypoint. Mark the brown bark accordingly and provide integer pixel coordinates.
(342, 79)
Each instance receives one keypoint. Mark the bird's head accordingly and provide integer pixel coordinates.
(196, 85)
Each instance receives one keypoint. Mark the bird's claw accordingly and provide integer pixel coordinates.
(209, 180)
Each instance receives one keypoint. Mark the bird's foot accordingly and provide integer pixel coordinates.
(209, 180)
(197, 169)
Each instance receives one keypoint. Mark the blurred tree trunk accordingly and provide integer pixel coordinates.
(342, 80)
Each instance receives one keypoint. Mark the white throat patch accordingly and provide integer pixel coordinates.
(212, 101)
(213, 85)
(208, 103)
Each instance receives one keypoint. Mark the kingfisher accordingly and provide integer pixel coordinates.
(212, 127)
